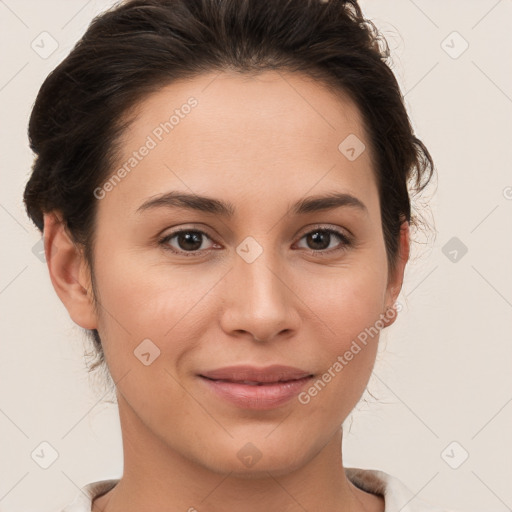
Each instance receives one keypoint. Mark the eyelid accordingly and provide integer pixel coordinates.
(326, 227)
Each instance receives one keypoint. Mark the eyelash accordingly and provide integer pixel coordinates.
(346, 242)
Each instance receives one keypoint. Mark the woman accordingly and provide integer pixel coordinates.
(223, 191)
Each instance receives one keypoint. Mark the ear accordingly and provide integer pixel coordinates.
(396, 279)
(69, 273)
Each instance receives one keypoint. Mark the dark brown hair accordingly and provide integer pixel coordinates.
(139, 46)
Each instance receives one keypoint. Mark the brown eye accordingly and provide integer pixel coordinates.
(319, 240)
(324, 240)
(187, 241)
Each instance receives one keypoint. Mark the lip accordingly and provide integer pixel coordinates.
(269, 387)
(273, 373)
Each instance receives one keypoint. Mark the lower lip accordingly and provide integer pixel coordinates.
(266, 396)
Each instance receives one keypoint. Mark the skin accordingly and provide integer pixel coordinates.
(262, 143)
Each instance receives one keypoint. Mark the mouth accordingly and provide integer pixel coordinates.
(256, 388)
(252, 375)
(255, 382)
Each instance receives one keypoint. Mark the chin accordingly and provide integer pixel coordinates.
(249, 462)
(260, 470)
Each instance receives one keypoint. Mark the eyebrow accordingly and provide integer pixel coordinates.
(221, 208)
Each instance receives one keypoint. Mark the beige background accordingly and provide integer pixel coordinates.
(444, 372)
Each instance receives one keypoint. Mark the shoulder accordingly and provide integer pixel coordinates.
(83, 500)
(397, 496)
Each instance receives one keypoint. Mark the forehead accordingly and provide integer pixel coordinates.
(239, 135)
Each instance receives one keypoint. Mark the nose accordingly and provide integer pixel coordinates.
(260, 303)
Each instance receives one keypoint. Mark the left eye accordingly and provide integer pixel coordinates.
(323, 237)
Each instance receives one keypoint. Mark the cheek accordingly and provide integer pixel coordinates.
(351, 309)
(140, 301)
(146, 330)
(349, 301)
(148, 298)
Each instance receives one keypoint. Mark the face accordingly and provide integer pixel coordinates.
(250, 279)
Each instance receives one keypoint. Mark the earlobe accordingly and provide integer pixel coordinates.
(396, 280)
(68, 272)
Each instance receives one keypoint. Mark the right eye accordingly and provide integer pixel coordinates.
(189, 242)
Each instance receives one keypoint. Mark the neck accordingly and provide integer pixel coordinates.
(156, 477)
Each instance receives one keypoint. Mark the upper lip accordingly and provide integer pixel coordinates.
(273, 373)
